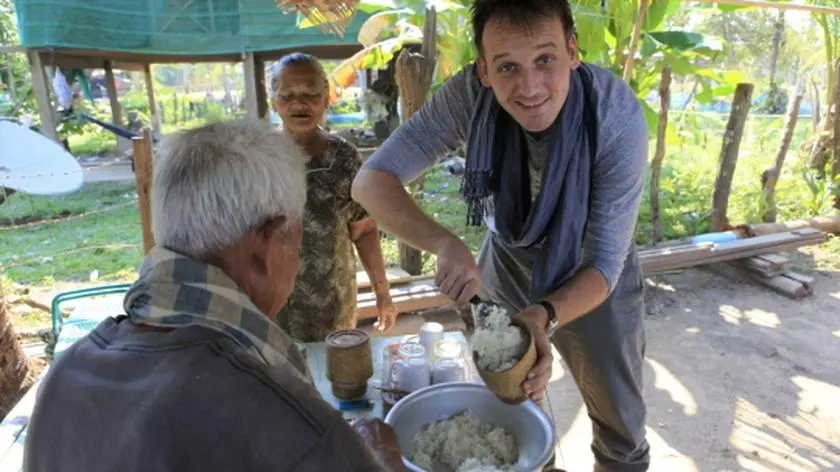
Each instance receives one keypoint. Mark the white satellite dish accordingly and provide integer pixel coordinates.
(32, 163)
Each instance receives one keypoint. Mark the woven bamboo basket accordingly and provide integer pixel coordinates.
(507, 384)
(349, 363)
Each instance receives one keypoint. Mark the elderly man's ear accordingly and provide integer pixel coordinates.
(272, 237)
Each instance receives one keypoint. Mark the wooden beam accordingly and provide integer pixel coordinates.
(41, 90)
(729, 155)
(143, 171)
(11, 49)
(150, 97)
(256, 100)
(777, 5)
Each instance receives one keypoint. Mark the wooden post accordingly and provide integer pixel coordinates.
(116, 110)
(143, 171)
(256, 100)
(770, 177)
(729, 155)
(41, 90)
(414, 78)
(634, 41)
(659, 154)
(150, 96)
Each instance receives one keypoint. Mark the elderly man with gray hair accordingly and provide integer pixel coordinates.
(195, 377)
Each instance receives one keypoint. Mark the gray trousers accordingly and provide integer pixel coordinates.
(603, 350)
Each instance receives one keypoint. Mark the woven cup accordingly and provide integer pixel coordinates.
(507, 384)
(349, 363)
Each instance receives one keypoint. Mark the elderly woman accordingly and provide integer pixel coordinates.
(325, 291)
(196, 377)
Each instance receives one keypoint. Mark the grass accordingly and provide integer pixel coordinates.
(103, 236)
(106, 236)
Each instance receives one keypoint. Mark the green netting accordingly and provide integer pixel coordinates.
(169, 26)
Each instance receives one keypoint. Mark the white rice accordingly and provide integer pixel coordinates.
(497, 344)
(462, 443)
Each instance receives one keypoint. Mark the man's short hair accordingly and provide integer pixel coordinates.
(520, 12)
(214, 184)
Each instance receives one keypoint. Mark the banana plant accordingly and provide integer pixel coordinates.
(604, 31)
(394, 24)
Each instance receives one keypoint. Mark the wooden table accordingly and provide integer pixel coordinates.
(316, 359)
(13, 429)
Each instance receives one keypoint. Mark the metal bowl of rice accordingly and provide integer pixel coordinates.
(532, 429)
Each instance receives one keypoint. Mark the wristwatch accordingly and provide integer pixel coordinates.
(552, 317)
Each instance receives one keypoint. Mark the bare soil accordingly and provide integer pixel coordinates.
(737, 378)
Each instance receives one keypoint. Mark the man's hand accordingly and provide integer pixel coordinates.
(381, 441)
(387, 312)
(537, 381)
(457, 273)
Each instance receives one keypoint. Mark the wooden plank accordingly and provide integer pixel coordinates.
(780, 284)
(393, 274)
(827, 224)
(774, 259)
(806, 280)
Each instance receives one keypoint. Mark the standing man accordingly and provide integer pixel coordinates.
(556, 156)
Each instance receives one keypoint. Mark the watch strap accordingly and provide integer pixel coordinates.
(552, 313)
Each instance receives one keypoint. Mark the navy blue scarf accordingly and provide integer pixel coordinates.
(497, 182)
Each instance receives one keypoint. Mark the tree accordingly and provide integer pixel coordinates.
(14, 365)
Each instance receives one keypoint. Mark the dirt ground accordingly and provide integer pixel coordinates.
(737, 378)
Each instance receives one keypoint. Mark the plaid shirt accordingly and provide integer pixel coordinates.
(174, 291)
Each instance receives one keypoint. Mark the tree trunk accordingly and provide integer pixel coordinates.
(778, 36)
(14, 365)
(770, 177)
(822, 145)
(659, 155)
(815, 112)
(414, 78)
(729, 155)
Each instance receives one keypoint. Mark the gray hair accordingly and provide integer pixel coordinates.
(214, 184)
(291, 59)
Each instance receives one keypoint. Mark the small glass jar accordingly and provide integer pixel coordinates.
(450, 365)
(410, 371)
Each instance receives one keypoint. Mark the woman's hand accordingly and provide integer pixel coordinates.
(387, 311)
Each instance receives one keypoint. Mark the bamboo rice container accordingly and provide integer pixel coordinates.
(349, 363)
(507, 384)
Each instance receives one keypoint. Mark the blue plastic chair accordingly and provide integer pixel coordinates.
(67, 332)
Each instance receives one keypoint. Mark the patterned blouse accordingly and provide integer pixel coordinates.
(324, 298)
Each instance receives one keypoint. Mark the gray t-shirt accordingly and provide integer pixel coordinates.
(618, 173)
(184, 400)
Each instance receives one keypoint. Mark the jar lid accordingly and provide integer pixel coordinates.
(412, 349)
(346, 338)
(447, 348)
